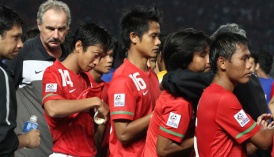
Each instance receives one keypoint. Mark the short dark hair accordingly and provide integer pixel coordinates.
(91, 34)
(224, 45)
(136, 19)
(265, 59)
(9, 18)
(179, 47)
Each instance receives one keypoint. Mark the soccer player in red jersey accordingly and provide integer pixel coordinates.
(222, 126)
(99, 87)
(66, 96)
(134, 88)
(173, 118)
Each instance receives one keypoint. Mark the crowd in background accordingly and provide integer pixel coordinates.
(177, 14)
(254, 16)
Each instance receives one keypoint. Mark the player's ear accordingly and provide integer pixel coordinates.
(222, 63)
(133, 37)
(79, 46)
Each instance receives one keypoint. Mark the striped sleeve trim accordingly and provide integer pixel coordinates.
(246, 131)
(7, 96)
(48, 95)
(171, 132)
(122, 112)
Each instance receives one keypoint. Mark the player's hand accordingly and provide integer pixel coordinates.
(33, 138)
(270, 125)
(103, 109)
(263, 120)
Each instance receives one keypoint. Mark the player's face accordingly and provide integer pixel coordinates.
(200, 61)
(149, 44)
(151, 62)
(238, 68)
(253, 64)
(90, 58)
(53, 28)
(104, 65)
(11, 43)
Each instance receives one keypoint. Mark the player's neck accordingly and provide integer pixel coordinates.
(96, 76)
(224, 82)
(71, 63)
(138, 60)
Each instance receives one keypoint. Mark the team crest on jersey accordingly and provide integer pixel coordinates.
(173, 120)
(119, 100)
(241, 118)
(51, 87)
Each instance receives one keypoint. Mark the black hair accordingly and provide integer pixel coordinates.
(91, 34)
(265, 59)
(179, 47)
(9, 18)
(224, 45)
(136, 19)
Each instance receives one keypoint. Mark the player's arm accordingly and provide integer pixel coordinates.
(61, 108)
(166, 147)
(250, 148)
(127, 130)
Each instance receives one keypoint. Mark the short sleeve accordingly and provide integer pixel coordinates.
(122, 98)
(51, 89)
(234, 120)
(177, 115)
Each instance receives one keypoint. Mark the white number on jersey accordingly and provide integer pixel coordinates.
(139, 82)
(65, 78)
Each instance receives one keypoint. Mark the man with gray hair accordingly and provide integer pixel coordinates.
(53, 20)
(230, 27)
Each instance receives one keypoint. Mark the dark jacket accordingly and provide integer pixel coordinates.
(8, 111)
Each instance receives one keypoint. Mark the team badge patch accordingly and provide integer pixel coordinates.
(51, 87)
(119, 100)
(241, 118)
(173, 120)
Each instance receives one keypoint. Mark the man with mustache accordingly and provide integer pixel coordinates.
(53, 20)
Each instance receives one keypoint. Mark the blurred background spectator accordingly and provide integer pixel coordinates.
(253, 16)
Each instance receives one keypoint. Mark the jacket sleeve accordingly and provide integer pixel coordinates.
(8, 139)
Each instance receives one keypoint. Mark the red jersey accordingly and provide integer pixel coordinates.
(97, 88)
(100, 90)
(73, 134)
(132, 94)
(172, 120)
(222, 126)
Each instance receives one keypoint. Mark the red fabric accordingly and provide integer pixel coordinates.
(74, 134)
(132, 94)
(100, 90)
(218, 130)
(159, 123)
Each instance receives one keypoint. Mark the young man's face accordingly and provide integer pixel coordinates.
(11, 43)
(253, 64)
(149, 44)
(200, 61)
(238, 69)
(53, 28)
(105, 63)
(90, 58)
(151, 62)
